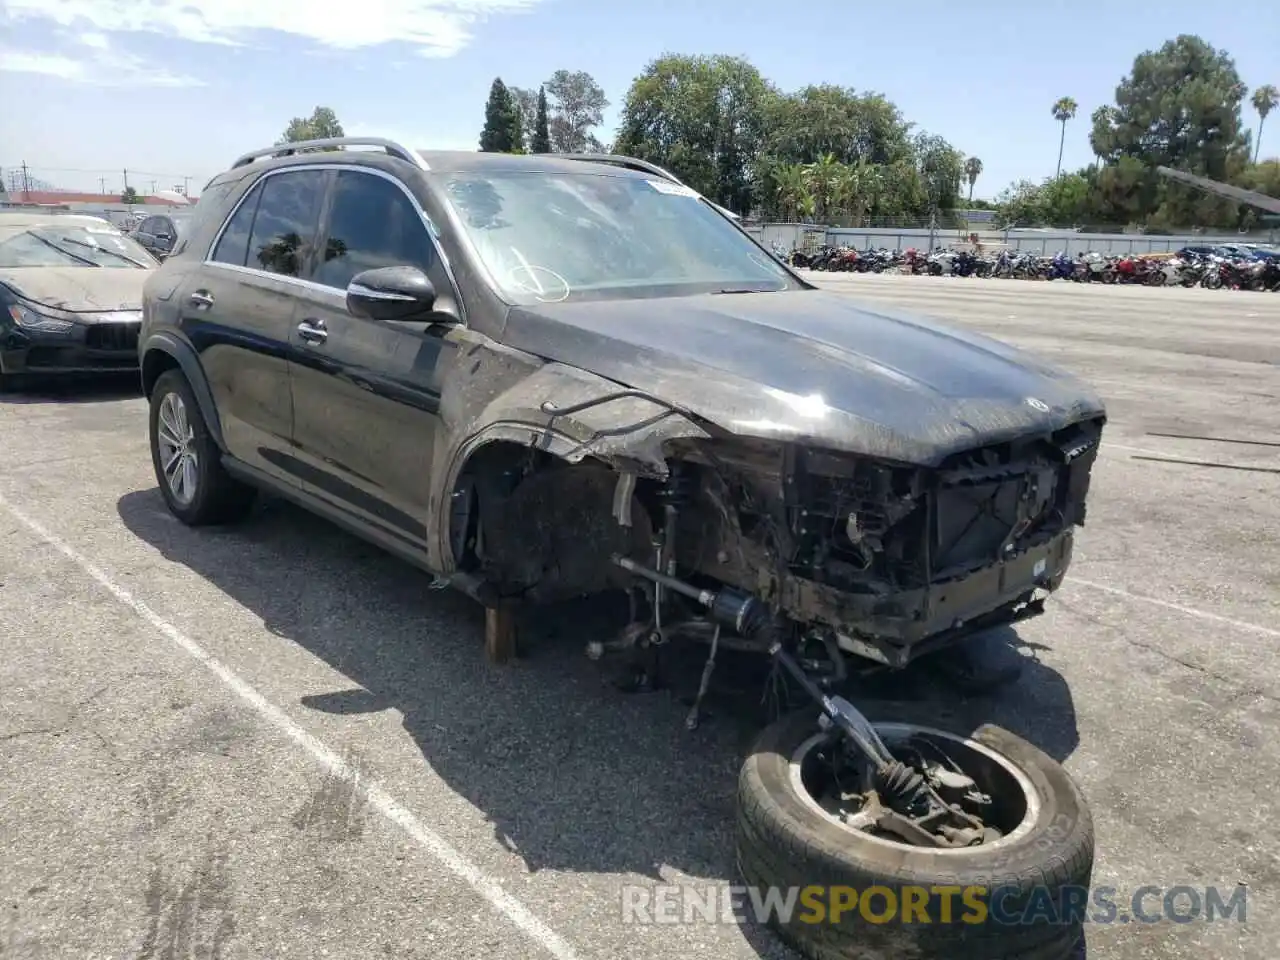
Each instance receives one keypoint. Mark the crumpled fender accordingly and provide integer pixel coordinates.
(585, 416)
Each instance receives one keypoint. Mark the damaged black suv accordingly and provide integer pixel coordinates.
(542, 377)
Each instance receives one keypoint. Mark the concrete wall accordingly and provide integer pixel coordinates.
(789, 236)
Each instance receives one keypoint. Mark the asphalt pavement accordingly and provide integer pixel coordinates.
(272, 741)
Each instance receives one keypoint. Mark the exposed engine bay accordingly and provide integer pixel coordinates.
(886, 556)
(884, 561)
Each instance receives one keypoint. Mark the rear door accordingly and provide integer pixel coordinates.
(163, 235)
(366, 395)
(238, 311)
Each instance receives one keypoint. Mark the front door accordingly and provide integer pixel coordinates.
(238, 308)
(366, 393)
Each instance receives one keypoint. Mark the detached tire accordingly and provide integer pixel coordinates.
(785, 841)
(199, 491)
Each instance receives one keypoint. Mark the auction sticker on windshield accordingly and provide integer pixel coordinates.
(674, 189)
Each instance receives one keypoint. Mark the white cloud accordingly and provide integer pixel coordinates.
(45, 64)
(97, 63)
(437, 28)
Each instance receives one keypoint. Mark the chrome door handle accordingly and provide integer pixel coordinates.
(313, 331)
(201, 299)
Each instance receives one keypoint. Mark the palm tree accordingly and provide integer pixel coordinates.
(792, 188)
(822, 175)
(1063, 110)
(1265, 99)
(972, 171)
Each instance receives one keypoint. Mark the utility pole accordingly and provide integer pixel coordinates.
(153, 186)
(126, 181)
(102, 185)
(186, 186)
(26, 180)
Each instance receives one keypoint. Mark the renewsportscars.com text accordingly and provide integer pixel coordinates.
(676, 904)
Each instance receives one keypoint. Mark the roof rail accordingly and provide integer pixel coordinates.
(631, 163)
(643, 166)
(332, 143)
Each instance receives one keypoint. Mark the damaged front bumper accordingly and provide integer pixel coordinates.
(894, 629)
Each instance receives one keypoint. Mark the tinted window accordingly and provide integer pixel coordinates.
(372, 223)
(284, 228)
(233, 247)
(148, 225)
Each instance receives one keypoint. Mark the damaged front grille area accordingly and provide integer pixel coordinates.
(874, 529)
(861, 522)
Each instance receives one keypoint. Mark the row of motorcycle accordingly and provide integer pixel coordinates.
(1185, 269)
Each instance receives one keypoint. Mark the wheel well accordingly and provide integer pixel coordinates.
(549, 529)
(154, 363)
(490, 475)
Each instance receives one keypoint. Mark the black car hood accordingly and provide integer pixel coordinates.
(813, 367)
(78, 289)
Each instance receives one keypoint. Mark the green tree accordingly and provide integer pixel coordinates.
(702, 117)
(501, 133)
(321, 125)
(1064, 109)
(941, 168)
(577, 105)
(1264, 177)
(1265, 99)
(824, 119)
(527, 100)
(130, 196)
(972, 171)
(1179, 107)
(540, 142)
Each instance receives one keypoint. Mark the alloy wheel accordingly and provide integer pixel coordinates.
(175, 438)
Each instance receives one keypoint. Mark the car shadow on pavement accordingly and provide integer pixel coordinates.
(107, 388)
(572, 774)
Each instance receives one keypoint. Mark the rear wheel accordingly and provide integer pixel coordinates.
(900, 900)
(188, 464)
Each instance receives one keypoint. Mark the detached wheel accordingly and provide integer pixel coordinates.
(793, 832)
(188, 464)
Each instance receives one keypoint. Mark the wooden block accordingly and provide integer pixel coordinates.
(499, 633)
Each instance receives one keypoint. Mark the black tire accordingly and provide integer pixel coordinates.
(784, 842)
(218, 497)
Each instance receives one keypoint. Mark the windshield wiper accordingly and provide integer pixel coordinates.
(741, 290)
(66, 253)
(114, 253)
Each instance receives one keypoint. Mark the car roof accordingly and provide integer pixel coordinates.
(339, 150)
(29, 218)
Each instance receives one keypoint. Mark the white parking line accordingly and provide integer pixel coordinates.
(377, 798)
(1178, 607)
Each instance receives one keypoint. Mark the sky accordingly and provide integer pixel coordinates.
(174, 89)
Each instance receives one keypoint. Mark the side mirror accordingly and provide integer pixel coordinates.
(391, 293)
